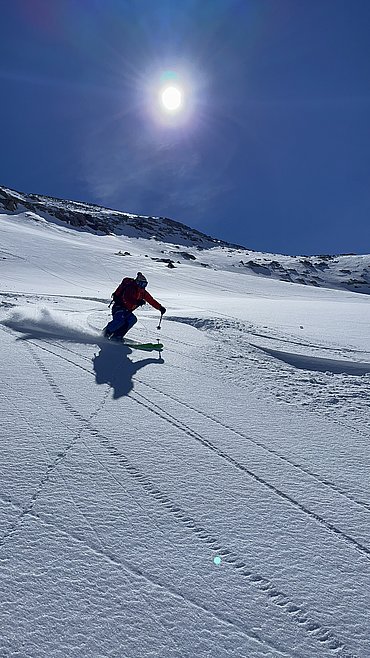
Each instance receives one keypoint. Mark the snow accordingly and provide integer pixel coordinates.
(210, 501)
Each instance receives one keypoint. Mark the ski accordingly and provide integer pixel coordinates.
(148, 347)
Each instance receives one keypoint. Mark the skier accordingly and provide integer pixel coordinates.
(129, 295)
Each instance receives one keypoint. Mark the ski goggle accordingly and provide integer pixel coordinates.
(142, 284)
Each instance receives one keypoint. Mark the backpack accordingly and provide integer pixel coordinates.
(119, 292)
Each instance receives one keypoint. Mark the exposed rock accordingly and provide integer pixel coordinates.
(8, 204)
(307, 263)
(275, 265)
(169, 261)
(186, 255)
(259, 269)
(356, 282)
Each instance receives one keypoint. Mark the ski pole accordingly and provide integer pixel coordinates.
(160, 320)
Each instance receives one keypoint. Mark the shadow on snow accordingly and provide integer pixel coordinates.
(111, 365)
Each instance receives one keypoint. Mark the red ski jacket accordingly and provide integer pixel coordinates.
(129, 295)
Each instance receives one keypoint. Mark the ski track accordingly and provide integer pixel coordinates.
(249, 329)
(28, 511)
(164, 415)
(52, 465)
(340, 423)
(326, 483)
(232, 322)
(156, 582)
(324, 635)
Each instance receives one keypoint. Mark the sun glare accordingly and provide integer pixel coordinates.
(171, 98)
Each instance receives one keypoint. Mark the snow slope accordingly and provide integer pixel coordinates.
(125, 475)
(183, 244)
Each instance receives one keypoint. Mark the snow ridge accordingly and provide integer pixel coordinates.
(345, 271)
(97, 219)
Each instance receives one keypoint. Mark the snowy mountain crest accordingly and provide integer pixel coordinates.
(344, 271)
(101, 220)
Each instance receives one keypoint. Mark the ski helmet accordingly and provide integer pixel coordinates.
(141, 280)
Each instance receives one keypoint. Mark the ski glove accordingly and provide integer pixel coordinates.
(162, 310)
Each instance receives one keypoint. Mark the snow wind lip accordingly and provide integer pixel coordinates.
(318, 364)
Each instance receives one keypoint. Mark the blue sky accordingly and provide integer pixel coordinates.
(272, 149)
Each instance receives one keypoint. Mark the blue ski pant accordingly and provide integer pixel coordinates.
(123, 321)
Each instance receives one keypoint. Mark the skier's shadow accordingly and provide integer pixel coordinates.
(112, 366)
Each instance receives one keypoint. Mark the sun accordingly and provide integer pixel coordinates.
(171, 98)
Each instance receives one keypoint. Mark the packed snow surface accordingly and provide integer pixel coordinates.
(211, 501)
